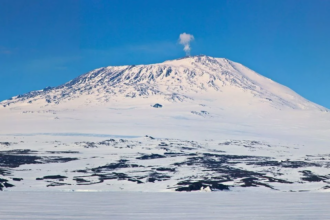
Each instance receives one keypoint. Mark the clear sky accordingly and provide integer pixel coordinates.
(49, 42)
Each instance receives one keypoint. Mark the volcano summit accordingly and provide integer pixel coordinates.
(185, 79)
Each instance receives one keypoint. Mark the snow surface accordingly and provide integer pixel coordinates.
(185, 206)
(209, 106)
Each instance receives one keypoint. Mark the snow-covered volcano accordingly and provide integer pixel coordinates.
(198, 96)
(177, 80)
(196, 123)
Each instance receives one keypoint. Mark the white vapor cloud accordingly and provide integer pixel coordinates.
(185, 40)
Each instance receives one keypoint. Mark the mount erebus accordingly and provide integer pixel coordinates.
(211, 124)
(177, 81)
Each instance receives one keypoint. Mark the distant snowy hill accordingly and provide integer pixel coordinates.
(176, 81)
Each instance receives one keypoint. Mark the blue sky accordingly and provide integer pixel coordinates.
(47, 43)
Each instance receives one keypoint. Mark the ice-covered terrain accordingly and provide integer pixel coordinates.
(196, 123)
(165, 206)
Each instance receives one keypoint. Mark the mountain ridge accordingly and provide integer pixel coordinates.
(176, 80)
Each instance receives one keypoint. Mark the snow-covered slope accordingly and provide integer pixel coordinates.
(175, 80)
(211, 124)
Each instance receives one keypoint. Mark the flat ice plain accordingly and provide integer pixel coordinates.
(183, 206)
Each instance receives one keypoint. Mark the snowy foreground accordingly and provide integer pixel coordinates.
(183, 206)
(148, 164)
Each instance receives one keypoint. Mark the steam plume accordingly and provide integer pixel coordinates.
(185, 40)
